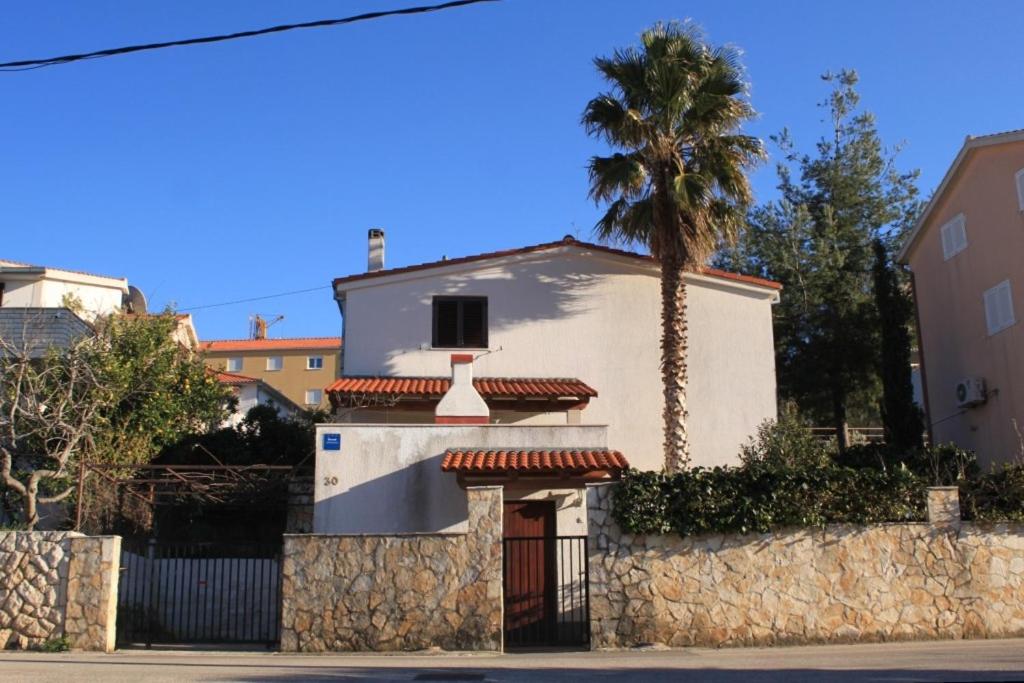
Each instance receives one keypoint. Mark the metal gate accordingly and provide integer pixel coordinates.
(199, 593)
(547, 591)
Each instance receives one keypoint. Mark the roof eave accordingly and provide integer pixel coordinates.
(970, 144)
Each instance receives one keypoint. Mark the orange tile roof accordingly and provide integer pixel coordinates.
(231, 378)
(533, 461)
(568, 240)
(270, 344)
(488, 387)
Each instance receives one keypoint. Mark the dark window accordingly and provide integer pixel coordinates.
(1, 294)
(460, 322)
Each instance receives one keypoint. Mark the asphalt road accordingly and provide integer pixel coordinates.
(983, 660)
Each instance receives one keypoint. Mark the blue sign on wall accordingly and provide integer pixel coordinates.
(332, 442)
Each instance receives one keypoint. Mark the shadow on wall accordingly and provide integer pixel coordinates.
(418, 498)
(545, 289)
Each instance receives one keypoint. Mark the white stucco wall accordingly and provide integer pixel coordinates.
(388, 478)
(576, 313)
(251, 395)
(98, 295)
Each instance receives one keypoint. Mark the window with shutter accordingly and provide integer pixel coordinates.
(954, 237)
(460, 322)
(1020, 189)
(999, 308)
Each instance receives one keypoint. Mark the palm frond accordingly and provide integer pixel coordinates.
(618, 175)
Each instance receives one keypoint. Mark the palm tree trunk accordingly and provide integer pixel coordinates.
(673, 364)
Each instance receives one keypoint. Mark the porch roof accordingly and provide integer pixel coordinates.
(514, 393)
(563, 462)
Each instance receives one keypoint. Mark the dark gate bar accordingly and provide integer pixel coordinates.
(198, 593)
(546, 587)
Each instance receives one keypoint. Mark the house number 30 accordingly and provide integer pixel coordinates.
(330, 481)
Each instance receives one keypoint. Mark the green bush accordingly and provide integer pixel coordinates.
(995, 496)
(787, 478)
(761, 498)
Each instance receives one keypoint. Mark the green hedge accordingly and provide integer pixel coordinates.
(759, 499)
(788, 479)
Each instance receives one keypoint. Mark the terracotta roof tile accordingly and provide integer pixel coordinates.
(488, 387)
(568, 240)
(231, 378)
(270, 344)
(536, 461)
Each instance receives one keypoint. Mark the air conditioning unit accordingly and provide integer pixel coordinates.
(970, 392)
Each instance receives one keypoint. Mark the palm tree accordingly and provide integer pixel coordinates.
(677, 182)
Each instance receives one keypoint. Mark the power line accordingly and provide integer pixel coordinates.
(255, 298)
(29, 64)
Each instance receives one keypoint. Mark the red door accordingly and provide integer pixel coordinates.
(529, 530)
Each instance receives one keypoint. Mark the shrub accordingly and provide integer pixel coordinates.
(61, 644)
(995, 496)
(760, 498)
(785, 442)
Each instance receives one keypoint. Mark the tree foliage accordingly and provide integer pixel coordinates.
(676, 180)
(817, 239)
(900, 415)
(117, 396)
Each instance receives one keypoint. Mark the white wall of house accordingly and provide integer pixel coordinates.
(570, 312)
(48, 289)
(388, 478)
(251, 395)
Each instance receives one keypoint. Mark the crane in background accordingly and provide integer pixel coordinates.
(258, 324)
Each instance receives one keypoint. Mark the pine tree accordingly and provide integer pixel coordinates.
(817, 240)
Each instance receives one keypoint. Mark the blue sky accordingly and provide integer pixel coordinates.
(214, 173)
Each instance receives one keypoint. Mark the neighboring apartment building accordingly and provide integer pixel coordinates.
(299, 368)
(966, 255)
(560, 333)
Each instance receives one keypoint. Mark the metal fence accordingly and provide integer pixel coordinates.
(547, 591)
(199, 593)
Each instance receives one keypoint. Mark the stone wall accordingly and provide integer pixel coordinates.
(55, 584)
(838, 584)
(397, 592)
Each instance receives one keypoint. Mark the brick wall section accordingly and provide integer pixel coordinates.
(57, 583)
(397, 592)
(838, 584)
(91, 616)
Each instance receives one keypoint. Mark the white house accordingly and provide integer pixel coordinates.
(251, 392)
(27, 286)
(559, 333)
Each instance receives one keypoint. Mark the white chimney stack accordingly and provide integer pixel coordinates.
(375, 259)
(462, 404)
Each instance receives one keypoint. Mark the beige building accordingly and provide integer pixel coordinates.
(966, 254)
(298, 368)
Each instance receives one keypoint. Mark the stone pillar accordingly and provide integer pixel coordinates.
(93, 572)
(299, 516)
(486, 530)
(601, 534)
(944, 506)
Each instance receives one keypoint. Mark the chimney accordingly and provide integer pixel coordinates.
(462, 405)
(375, 259)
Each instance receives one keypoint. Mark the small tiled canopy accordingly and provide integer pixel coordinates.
(518, 393)
(551, 462)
